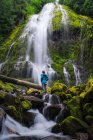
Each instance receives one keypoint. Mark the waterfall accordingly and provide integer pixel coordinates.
(36, 32)
(64, 22)
(66, 74)
(77, 74)
(57, 1)
(6, 58)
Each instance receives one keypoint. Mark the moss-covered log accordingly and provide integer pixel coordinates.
(19, 82)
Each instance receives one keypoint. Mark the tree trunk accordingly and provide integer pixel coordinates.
(19, 82)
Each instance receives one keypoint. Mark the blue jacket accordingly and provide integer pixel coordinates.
(44, 78)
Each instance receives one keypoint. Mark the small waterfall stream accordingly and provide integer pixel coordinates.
(76, 73)
(67, 75)
(40, 130)
(7, 57)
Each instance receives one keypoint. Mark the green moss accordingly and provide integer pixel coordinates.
(13, 111)
(76, 90)
(58, 87)
(57, 19)
(26, 105)
(74, 19)
(88, 109)
(8, 87)
(72, 125)
(74, 105)
(2, 85)
(31, 90)
(2, 95)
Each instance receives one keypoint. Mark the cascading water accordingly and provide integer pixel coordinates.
(64, 22)
(66, 74)
(77, 74)
(57, 1)
(36, 32)
(6, 58)
(40, 130)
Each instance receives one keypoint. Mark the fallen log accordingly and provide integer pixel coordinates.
(19, 82)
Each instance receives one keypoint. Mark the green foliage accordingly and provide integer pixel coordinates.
(74, 105)
(88, 109)
(57, 19)
(13, 12)
(80, 6)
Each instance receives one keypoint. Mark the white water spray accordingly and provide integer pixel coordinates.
(77, 74)
(36, 33)
(66, 74)
(6, 58)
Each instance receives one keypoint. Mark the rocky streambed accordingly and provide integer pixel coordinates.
(62, 114)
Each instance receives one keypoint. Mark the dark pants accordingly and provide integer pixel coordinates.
(44, 86)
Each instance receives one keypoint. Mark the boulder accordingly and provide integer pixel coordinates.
(36, 102)
(88, 110)
(51, 111)
(58, 87)
(74, 106)
(2, 114)
(72, 125)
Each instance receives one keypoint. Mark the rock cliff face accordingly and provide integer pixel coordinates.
(70, 47)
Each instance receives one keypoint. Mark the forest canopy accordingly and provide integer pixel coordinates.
(80, 6)
(12, 12)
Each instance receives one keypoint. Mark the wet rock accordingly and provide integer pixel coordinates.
(36, 102)
(45, 138)
(55, 99)
(28, 118)
(82, 136)
(90, 132)
(64, 113)
(2, 114)
(50, 112)
(57, 128)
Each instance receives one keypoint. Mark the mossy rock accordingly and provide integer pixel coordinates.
(87, 95)
(31, 91)
(13, 111)
(68, 96)
(74, 105)
(58, 87)
(26, 105)
(88, 109)
(62, 95)
(57, 19)
(2, 97)
(72, 125)
(48, 90)
(76, 90)
(2, 85)
(89, 119)
(8, 87)
(57, 128)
